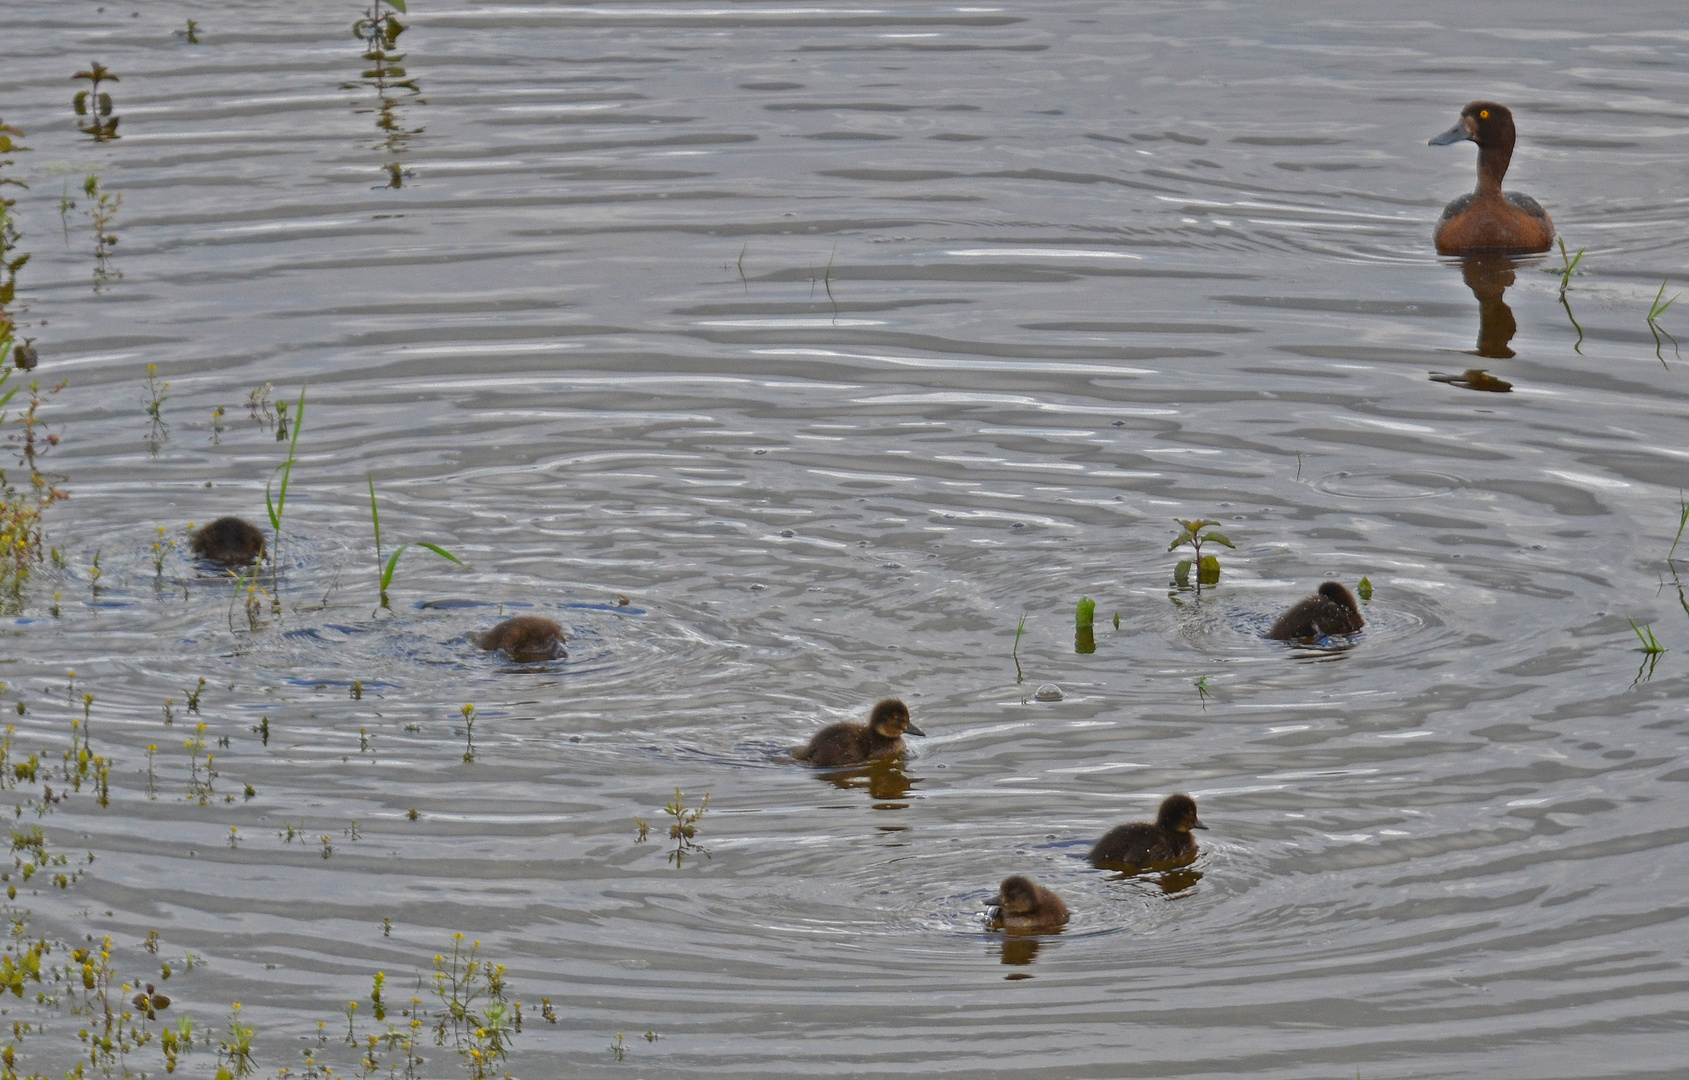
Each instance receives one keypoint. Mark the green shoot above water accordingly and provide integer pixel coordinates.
(392, 565)
(1571, 262)
(1645, 634)
(1655, 310)
(1207, 566)
(1682, 520)
(1083, 639)
(1014, 653)
(278, 505)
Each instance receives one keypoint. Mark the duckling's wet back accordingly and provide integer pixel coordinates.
(787, 358)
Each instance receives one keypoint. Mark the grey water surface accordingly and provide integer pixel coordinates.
(833, 337)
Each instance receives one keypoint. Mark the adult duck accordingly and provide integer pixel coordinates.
(1489, 219)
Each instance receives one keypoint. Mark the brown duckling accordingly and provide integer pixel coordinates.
(1142, 845)
(1327, 613)
(228, 540)
(1023, 904)
(526, 638)
(850, 743)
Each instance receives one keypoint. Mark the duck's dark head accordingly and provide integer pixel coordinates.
(890, 720)
(1482, 122)
(1017, 896)
(1178, 814)
(1339, 595)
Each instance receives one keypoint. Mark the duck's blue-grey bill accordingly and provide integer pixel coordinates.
(913, 730)
(1455, 134)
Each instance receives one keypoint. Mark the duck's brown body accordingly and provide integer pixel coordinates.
(1328, 613)
(526, 638)
(228, 540)
(1144, 845)
(850, 743)
(1022, 904)
(1490, 220)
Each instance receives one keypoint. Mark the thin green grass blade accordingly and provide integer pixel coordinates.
(1682, 517)
(279, 505)
(440, 551)
(270, 504)
(392, 565)
(374, 516)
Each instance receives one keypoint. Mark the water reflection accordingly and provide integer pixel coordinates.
(1019, 948)
(885, 781)
(1488, 276)
(1174, 882)
(1474, 379)
(1171, 882)
(379, 30)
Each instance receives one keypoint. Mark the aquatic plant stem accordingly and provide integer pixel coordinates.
(278, 506)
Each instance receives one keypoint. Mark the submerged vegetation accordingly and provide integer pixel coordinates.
(125, 1001)
(462, 1004)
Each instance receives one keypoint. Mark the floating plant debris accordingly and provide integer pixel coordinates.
(1474, 379)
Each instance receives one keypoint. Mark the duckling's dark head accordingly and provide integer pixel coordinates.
(228, 540)
(890, 720)
(1483, 122)
(1339, 595)
(1017, 896)
(1178, 814)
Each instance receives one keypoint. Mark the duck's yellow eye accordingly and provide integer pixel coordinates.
(1483, 114)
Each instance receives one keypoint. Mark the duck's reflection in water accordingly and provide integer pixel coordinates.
(884, 779)
(1020, 949)
(1174, 882)
(1474, 379)
(1170, 882)
(1488, 276)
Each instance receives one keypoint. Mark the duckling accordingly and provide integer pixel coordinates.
(526, 638)
(1023, 904)
(228, 540)
(1489, 219)
(1327, 613)
(850, 743)
(1142, 845)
